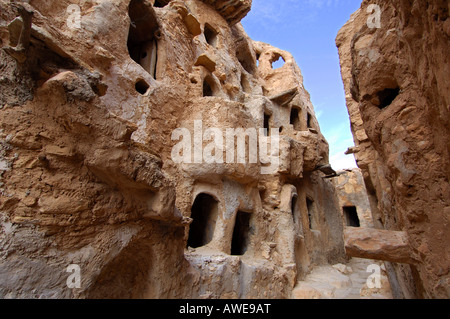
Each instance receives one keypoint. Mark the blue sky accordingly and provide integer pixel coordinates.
(307, 29)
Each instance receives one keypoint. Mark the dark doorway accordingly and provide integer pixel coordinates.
(204, 214)
(295, 119)
(267, 124)
(142, 42)
(208, 87)
(309, 120)
(294, 206)
(161, 3)
(240, 241)
(387, 96)
(311, 213)
(142, 87)
(351, 216)
(210, 35)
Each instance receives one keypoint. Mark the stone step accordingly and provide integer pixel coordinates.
(340, 282)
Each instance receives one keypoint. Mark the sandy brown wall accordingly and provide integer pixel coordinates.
(403, 145)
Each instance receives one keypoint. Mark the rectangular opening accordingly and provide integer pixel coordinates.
(142, 42)
(207, 87)
(310, 208)
(266, 124)
(148, 58)
(295, 119)
(240, 241)
(145, 54)
(351, 216)
(294, 201)
(210, 35)
(309, 120)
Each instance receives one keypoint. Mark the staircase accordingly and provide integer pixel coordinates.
(341, 281)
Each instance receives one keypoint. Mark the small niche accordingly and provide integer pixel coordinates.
(244, 52)
(295, 118)
(247, 64)
(294, 202)
(142, 87)
(210, 35)
(241, 234)
(267, 120)
(161, 3)
(204, 213)
(311, 212)
(351, 216)
(309, 120)
(245, 58)
(387, 96)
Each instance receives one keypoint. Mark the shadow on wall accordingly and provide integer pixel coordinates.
(126, 276)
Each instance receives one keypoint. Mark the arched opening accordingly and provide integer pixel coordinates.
(277, 61)
(142, 37)
(258, 56)
(387, 96)
(204, 213)
(210, 35)
(241, 234)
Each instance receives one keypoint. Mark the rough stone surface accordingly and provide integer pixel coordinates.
(352, 192)
(377, 244)
(350, 281)
(232, 10)
(87, 173)
(397, 92)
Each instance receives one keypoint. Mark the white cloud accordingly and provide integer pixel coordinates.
(341, 161)
(340, 139)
